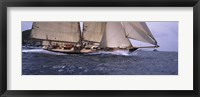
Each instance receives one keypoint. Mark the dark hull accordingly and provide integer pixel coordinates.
(123, 49)
(133, 49)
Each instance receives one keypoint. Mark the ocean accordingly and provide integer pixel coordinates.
(41, 62)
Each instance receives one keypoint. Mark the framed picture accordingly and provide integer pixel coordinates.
(89, 48)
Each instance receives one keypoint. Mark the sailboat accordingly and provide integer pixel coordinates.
(67, 37)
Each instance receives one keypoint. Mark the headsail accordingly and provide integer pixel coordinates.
(93, 31)
(139, 31)
(56, 31)
(114, 36)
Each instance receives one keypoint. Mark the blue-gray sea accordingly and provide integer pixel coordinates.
(41, 62)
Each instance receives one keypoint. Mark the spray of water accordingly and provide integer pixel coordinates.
(117, 52)
(41, 51)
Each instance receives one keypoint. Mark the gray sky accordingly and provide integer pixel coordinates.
(166, 34)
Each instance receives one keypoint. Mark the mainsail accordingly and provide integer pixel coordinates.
(93, 31)
(56, 31)
(115, 36)
(139, 31)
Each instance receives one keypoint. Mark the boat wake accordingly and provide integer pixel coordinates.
(117, 52)
(41, 51)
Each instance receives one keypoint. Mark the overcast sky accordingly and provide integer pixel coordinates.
(166, 34)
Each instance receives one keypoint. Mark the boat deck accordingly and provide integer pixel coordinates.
(82, 51)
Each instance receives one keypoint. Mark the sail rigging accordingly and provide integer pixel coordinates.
(67, 36)
(56, 31)
(139, 31)
(93, 31)
(114, 36)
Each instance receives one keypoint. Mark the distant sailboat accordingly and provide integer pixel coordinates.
(67, 36)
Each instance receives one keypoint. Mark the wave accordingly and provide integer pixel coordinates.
(117, 52)
(41, 51)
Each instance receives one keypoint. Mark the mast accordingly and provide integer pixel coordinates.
(81, 36)
(56, 31)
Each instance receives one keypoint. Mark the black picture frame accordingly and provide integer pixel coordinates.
(100, 3)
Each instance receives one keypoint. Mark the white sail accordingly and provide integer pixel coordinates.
(56, 31)
(93, 31)
(139, 31)
(114, 36)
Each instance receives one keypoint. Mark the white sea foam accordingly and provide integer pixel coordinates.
(117, 52)
(41, 51)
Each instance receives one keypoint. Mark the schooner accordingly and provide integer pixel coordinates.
(67, 37)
